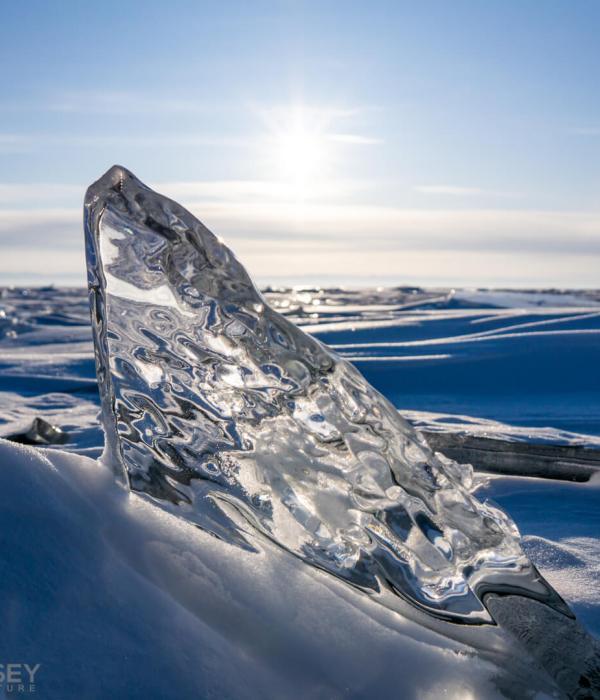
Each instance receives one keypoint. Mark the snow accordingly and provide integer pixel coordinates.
(116, 598)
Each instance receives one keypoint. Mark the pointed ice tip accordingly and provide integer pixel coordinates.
(112, 179)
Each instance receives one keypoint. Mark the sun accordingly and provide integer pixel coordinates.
(299, 150)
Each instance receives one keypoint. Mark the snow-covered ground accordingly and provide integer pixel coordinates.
(113, 596)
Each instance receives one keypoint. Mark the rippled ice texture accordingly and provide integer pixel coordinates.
(226, 413)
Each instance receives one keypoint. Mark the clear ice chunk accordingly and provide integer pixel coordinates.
(222, 411)
(40, 433)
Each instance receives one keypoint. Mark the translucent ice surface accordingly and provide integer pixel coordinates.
(223, 411)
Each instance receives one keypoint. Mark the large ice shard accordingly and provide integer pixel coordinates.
(227, 414)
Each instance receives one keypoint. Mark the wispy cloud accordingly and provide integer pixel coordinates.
(263, 126)
(585, 130)
(276, 238)
(14, 143)
(331, 123)
(276, 116)
(36, 194)
(460, 191)
(122, 102)
(24, 197)
(240, 192)
(24, 265)
(249, 218)
(10, 138)
(41, 140)
(355, 139)
(45, 229)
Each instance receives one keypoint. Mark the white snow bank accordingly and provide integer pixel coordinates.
(116, 598)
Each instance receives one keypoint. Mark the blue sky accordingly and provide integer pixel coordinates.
(330, 142)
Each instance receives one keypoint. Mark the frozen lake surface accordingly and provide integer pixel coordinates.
(516, 366)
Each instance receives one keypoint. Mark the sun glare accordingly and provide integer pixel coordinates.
(299, 151)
